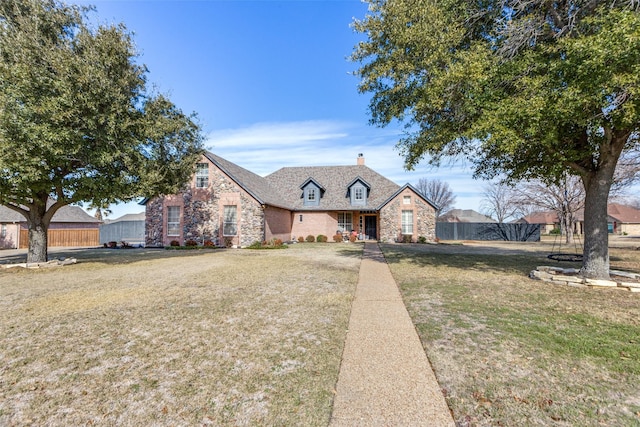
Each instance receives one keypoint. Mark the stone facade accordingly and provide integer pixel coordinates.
(424, 218)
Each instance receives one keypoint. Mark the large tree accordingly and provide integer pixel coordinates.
(526, 88)
(76, 121)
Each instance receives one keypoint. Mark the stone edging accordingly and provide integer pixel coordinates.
(52, 263)
(569, 276)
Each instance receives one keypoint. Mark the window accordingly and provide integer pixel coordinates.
(173, 221)
(345, 223)
(358, 194)
(230, 223)
(202, 175)
(407, 222)
(311, 194)
(3, 231)
(406, 200)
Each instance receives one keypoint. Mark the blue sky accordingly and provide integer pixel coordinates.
(271, 83)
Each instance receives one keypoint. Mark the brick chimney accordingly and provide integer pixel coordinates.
(360, 159)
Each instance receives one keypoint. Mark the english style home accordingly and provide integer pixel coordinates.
(226, 203)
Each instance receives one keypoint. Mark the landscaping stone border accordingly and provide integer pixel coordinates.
(52, 263)
(569, 277)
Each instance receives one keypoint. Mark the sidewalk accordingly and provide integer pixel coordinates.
(385, 378)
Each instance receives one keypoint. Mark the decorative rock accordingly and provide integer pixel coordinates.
(630, 285)
(573, 279)
(601, 283)
(541, 275)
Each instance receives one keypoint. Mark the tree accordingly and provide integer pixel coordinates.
(438, 192)
(76, 121)
(499, 202)
(528, 89)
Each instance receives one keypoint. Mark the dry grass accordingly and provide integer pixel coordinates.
(509, 350)
(145, 337)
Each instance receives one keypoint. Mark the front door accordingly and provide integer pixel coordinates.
(370, 227)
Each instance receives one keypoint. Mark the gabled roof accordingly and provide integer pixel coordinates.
(623, 213)
(546, 217)
(336, 179)
(415, 190)
(464, 215)
(258, 187)
(127, 217)
(64, 214)
(317, 184)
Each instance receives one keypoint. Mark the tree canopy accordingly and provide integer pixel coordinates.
(77, 123)
(523, 89)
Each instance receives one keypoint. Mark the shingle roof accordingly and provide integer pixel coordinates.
(624, 213)
(464, 215)
(335, 180)
(64, 214)
(252, 183)
(546, 217)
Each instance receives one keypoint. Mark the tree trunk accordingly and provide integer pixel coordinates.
(595, 264)
(38, 244)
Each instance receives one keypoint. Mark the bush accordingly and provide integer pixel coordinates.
(276, 242)
(191, 242)
(353, 238)
(310, 238)
(555, 231)
(174, 243)
(208, 244)
(337, 238)
(300, 239)
(321, 238)
(422, 239)
(113, 244)
(406, 238)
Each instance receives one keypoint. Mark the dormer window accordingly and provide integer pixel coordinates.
(358, 191)
(311, 193)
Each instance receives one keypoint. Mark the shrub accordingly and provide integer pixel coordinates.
(276, 242)
(191, 242)
(321, 238)
(555, 231)
(228, 242)
(113, 244)
(337, 238)
(310, 238)
(208, 244)
(353, 238)
(174, 243)
(300, 239)
(406, 238)
(422, 239)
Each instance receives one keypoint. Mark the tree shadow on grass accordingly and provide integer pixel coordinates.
(108, 256)
(482, 257)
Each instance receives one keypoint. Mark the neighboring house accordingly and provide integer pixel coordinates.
(464, 215)
(128, 228)
(229, 204)
(70, 226)
(548, 221)
(621, 219)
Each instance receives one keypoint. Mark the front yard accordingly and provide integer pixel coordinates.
(511, 351)
(149, 337)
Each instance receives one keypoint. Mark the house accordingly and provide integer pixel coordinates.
(464, 215)
(548, 221)
(70, 226)
(621, 219)
(231, 205)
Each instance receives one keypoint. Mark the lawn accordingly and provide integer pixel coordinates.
(154, 337)
(511, 351)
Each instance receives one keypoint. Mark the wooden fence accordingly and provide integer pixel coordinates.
(66, 237)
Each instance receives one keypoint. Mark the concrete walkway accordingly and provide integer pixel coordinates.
(385, 377)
